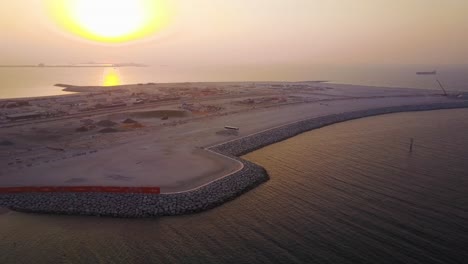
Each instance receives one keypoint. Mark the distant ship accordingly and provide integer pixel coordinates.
(427, 73)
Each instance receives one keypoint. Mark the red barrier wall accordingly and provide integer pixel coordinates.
(80, 189)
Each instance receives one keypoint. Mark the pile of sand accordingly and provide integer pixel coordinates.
(87, 121)
(106, 123)
(108, 130)
(129, 121)
(85, 128)
(6, 143)
(133, 126)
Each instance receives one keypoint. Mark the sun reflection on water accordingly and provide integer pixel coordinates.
(111, 78)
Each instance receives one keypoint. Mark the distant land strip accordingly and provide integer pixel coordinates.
(117, 65)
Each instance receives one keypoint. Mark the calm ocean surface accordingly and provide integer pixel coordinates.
(346, 193)
(28, 82)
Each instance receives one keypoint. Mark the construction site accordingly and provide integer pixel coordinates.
(156, 134)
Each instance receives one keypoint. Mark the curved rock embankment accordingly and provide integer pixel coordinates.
(256, 141)
(136, 205)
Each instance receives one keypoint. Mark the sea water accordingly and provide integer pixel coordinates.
(39, 81)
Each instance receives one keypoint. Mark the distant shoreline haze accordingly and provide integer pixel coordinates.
(78, 65)
(20, 82)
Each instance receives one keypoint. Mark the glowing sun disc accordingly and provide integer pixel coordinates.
(111, 21)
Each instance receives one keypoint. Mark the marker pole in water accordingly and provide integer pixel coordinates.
(411, 144)
(441, 87)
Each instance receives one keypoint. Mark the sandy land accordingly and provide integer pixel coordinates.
(169, 152)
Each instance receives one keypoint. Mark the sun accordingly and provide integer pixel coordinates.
(112, 21)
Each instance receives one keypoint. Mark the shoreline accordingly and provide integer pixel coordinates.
(204, 197)
(79, 90)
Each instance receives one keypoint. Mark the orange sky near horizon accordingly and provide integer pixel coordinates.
(257, 32)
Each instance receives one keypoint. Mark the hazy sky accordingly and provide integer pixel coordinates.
(258, 31)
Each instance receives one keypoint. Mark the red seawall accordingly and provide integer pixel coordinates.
(80, 189)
